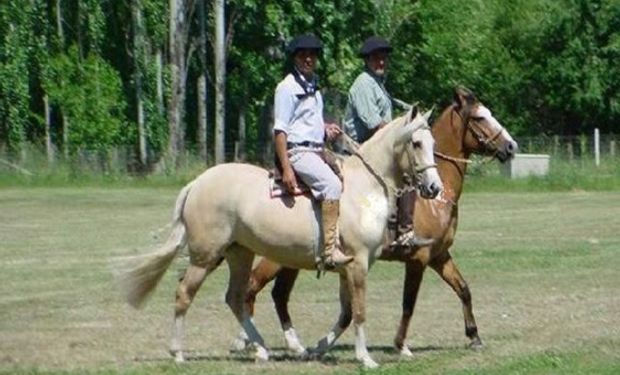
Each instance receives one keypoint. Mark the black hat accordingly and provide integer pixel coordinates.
(306, 41)
(374, 43)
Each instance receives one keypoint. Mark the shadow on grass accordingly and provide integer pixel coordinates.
(281, 354)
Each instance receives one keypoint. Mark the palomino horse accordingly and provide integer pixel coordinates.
(227, 214)
(465, 127)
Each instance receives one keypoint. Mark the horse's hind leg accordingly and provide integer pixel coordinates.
(446, 268)
(186, 291)
(285, 281)
(262, 274)
(239, 261)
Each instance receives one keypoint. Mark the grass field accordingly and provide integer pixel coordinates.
(543, 269)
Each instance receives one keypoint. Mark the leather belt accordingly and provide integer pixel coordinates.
(290, 145)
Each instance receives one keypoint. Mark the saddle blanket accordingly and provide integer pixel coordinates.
(277, 188)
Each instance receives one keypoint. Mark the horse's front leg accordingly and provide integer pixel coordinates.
(343, 322)
(446, 268)
(357, 286)
(414, 270)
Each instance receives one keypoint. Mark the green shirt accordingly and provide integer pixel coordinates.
(369, 105)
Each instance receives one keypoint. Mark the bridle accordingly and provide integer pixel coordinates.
(353, 146)
(418, 169)
(488, 143)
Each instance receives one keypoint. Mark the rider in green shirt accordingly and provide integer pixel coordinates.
(369, 108)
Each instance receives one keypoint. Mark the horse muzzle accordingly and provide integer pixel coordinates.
(430, 191)
(507, 151)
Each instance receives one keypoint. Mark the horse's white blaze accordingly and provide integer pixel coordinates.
(485, 113)
(374, 213)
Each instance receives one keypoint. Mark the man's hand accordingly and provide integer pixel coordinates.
(289, 180)
(332, 131)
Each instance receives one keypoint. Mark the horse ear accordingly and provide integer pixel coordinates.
(463, 97)
(427, 114)
(413, 112)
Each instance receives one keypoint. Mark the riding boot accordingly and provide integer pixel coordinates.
(406, 211)
(332, 256)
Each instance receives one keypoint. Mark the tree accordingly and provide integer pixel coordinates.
(180, 15)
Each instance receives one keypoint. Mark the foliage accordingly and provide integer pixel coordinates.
(15, 46)
(88, 93)
(543, 66)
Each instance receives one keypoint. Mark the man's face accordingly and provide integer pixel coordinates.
(377, 62)
(305, 61)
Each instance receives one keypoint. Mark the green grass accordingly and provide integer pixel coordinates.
(542, 268)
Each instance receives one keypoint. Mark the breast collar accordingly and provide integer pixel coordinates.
(310, 88)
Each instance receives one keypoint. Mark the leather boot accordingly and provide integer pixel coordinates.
(332, 256)
(406, 210)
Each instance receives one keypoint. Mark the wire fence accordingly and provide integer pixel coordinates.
(125, 160)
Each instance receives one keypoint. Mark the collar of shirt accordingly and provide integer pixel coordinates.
(310, 88)
(379, 79)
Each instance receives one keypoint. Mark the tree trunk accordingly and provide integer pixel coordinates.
(220, 82)
(202, 117)
(160, 82)
(240, 154)
(178, 38)
(61, 35)
(65, 136)
(138, 48)
(49, 148)
(202, 85)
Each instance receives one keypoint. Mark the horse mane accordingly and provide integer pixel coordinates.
(386, 131)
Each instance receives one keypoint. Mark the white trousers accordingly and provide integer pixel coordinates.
(315, 173)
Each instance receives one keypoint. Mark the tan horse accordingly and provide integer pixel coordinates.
(227, 213)
(465, 127)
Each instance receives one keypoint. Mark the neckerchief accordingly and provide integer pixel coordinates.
(310, 88)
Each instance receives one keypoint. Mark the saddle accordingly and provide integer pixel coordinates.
(277, 188)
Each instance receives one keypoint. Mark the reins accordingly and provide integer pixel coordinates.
(353, 147)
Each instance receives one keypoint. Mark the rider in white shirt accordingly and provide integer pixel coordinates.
(299, 132)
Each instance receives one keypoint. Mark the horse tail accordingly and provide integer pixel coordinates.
(140, 282)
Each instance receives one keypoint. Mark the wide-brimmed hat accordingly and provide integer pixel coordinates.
(374, 44)
(306, 41)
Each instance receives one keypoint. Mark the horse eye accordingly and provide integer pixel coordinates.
(417, 144)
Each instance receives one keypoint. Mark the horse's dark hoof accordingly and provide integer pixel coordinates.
(476, 344)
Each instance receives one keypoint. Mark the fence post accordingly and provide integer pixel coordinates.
(597, 148)
(556, 144)
(612, 148)
(569, 150)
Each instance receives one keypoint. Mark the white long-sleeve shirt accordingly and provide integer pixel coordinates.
(298, 115)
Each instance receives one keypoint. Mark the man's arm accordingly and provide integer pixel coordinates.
(288, 175)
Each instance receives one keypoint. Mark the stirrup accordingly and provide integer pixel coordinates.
(328, 263)
(410, 239)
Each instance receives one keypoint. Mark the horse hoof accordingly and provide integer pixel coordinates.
(311, 355)
(369, 363)
(178, 356)
(261, 354)
(299, 350)
(476, 344)
(405, 351)
(238, 345)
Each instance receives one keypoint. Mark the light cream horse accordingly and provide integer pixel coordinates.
(227, 213)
